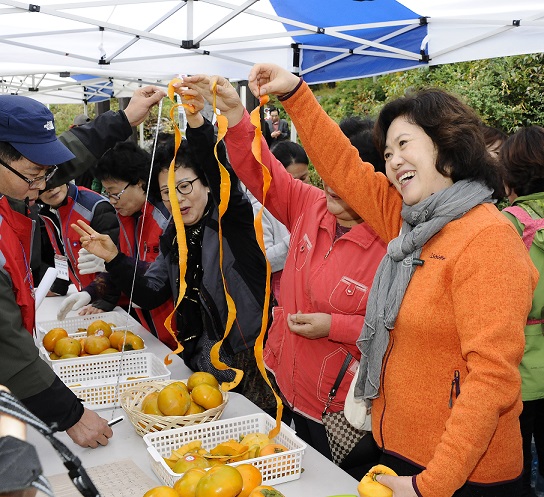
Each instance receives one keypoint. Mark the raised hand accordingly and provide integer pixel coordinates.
(94, 242)
(143, 99)
(227, 99)
(194, 103)
(271, 79)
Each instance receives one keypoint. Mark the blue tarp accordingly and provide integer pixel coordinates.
(331, 54)
(97, 92)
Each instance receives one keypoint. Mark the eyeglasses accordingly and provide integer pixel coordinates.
(183, 187)
(32, 183)
(116, 196)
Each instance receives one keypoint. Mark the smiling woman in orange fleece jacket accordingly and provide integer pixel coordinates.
(447, 395)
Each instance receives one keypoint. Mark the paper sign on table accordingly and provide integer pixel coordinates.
(119, 479)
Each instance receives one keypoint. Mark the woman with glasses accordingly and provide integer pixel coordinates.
(201, 316)
(124, 173)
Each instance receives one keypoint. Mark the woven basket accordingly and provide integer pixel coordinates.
(131, 401)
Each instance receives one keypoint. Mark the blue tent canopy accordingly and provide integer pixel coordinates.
(97, 92)
(353, 38)
(136, 42)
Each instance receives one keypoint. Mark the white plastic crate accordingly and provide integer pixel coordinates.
(275, 469)
(45, 354)
(76, 323)
(100, 380)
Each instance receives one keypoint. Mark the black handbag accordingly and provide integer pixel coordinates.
(342, 436)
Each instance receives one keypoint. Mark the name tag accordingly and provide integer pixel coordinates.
(61, 265)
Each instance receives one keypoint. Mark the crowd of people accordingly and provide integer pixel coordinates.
(399, 264)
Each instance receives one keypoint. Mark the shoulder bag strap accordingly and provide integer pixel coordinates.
(339, 378)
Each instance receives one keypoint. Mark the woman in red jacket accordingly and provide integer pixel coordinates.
(124, 172)
(333, 256)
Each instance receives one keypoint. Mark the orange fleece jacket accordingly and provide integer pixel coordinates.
(462, 316)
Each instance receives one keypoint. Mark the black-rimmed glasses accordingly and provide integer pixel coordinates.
(116, 196)
(35, 181)
(183, 187)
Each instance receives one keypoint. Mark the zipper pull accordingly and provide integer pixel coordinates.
(455, 385)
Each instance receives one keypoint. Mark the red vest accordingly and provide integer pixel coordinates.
(80, 204)
(139, 238)
(15, 241)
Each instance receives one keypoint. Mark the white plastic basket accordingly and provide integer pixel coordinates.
(275, 468)
(100, 380)
(76, 323)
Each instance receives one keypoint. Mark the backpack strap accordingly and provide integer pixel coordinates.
(531, 226)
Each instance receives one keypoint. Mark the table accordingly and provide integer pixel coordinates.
(321, 478)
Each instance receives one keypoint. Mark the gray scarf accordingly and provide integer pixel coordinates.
(421, 222)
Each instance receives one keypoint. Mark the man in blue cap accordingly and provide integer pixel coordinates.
(29, 155)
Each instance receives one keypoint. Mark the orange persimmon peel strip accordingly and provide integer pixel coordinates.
(224, 195)
(267, 178)
(178, 221)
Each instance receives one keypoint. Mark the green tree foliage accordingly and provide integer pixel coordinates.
(507, 92)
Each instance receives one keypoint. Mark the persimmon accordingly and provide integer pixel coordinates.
(52, 337)
(220, 481)
(117, 337)
(109, 350)
(251, 478)
(180, 385)
(369, 487)
(207, 396)
(201, 377)
(69, 356)
(186, 485)
(188, 461)
(265, 491)
(131, 342)
(67, 345)
(161, 491)
(99, 327)
(173, 402)
(95, 344)
(150, 405)
(273, 448)
(194, 409)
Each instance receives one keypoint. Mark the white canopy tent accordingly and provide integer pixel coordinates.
(62, 52)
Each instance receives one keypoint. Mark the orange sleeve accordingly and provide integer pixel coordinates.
(369, 193)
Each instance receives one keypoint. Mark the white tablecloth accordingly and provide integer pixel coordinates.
(321, 478)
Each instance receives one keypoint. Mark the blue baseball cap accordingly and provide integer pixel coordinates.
(29, 127)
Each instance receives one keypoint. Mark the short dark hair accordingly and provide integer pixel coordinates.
(124, 162)
(288, 153)
(492, 135)
(522, 157)
(8, 152)
(454, 128)
(360, 134)
(164, 153)
(273, 109)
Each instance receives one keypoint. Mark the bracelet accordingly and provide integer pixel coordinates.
(281, 98)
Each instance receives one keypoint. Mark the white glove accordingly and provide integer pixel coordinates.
(88, 263)
(73, 303)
